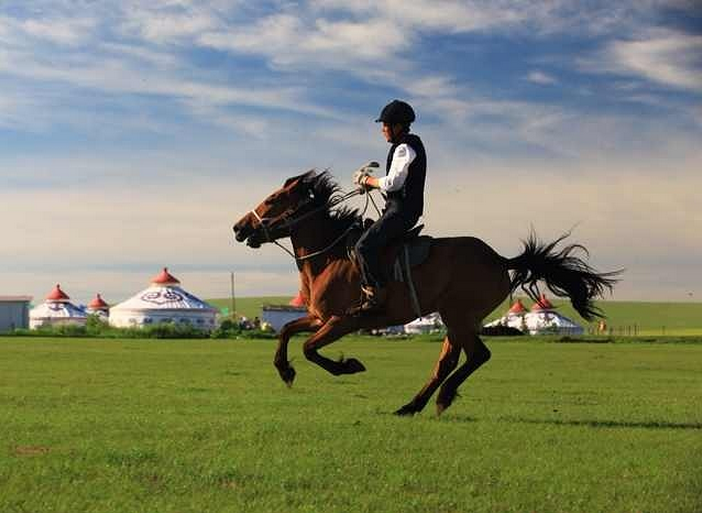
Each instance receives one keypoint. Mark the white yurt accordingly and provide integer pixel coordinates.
(56, 310)
(164, 301)
(514, 318)
(99, 307)
(542, 319)
(427, 324)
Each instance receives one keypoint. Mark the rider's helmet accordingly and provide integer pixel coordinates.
(396, 112)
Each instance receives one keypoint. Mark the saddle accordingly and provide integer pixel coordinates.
(400, 257)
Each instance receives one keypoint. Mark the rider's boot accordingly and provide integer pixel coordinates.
(374, 299)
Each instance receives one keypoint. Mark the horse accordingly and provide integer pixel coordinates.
(462, 278)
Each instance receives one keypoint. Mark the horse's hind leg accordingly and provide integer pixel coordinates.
(448, 359)
(477, 354)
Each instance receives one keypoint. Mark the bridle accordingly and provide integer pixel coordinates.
(289, 222)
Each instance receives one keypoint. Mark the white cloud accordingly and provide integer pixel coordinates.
(161, 59)
(454, 16)
(539, 77)
(161, 27)
(122, 76)
(291, 41)
(665, 57)
(66, 31)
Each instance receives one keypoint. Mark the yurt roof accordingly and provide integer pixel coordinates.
(165, 278)
(542, 304)
(297, 300)
(517, 307)
(98, 303)
(164, 294)
(57, 294)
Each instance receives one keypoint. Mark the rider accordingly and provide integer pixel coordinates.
(403, 188)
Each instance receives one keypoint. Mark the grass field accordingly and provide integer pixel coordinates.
(195, 426)
(650, 318)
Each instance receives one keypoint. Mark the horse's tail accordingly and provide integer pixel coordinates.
(565, 274)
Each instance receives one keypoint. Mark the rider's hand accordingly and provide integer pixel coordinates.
(360, 176)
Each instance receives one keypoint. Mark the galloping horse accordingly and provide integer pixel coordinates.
(462, 278)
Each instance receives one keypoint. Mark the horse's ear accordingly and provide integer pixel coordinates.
(308, 177)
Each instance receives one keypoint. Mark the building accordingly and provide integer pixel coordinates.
(277, 316)
(57, 310)
(164, 301)
(14, 312)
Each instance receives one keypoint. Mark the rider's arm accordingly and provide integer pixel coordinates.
(395, 179)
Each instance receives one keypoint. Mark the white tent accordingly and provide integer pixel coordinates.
(541, 320)
(163, 301)
(56, 310)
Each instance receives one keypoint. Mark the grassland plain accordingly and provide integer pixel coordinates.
(207, 426)
(650, 318)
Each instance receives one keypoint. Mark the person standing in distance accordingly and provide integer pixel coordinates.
(403, 188)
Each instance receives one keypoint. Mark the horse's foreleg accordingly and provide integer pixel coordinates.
(448, 359)
(477, 354)
(332, 330)
(286, 371)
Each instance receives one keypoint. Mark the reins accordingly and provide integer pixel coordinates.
(290, 223)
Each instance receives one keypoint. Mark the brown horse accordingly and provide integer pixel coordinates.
(463, 279)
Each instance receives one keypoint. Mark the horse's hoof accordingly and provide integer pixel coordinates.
(444, 400)
(352, 366)
(288, 376)
(406, 410)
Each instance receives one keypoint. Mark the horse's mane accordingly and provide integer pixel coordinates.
(326, 190)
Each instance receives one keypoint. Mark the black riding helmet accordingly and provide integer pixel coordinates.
(396, 112)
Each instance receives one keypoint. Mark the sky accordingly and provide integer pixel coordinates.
(135, 133)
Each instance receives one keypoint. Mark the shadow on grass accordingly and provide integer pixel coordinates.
(653, 424)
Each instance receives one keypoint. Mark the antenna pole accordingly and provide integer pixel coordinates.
(233, 303)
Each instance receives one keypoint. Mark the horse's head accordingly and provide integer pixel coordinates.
(273, 218)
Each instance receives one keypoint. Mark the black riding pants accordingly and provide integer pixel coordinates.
(391, 226)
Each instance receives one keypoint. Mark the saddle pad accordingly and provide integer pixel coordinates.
(417, 251)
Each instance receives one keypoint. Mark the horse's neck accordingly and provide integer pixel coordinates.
(316, 235)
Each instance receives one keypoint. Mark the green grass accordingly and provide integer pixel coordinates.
(651, 318)
(250, 306)
(193, 426)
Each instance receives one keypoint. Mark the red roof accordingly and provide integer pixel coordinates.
(57, 294)
(297, 300)
(164, 278)
(542, 304)
(98, 303)
(517, 307)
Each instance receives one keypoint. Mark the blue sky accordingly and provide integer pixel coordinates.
(134, 133)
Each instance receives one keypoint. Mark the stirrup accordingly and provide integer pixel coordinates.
(372, 303)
